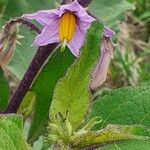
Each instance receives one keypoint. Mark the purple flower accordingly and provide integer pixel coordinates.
(99, 75)
(108, 33)
(67, 24)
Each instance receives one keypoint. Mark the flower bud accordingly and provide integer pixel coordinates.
(99, 74)
(8, 41)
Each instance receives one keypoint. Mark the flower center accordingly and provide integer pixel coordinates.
(67, 26)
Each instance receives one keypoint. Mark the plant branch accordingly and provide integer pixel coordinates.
(22, 21)
(84, 3)
(40, 57)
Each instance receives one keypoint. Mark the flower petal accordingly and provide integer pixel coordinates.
(72, 7)
(108, 32)
(77, 41)
(50, 20)
(44, 17)
(49, 35)
(78, 11)
(99, 75)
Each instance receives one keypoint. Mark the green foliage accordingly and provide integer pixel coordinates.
(125, 65)
(11, 137)
(23, 53)
(84, 138)
(44, 86)
(110, 11)
(4, 91)
(3, 4)
(27, 104)
(123, 106)
(72, 92)
(109, 134)
(26, 6)
(142, 8)
(144, 74)
(129, 107)
(126, 106)
(131, 145)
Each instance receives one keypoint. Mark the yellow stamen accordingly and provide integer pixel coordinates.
(67, 26)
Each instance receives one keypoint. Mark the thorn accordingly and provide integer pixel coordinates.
(19, 43)
(57, 4)
(86, 8)
(20, 37)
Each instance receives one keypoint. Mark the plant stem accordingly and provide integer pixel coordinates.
(84, 3)
(21, 21)
(40, 57)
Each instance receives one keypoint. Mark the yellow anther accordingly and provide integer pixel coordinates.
(67, 26)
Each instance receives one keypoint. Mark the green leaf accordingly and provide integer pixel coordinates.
(108, 135)
(109, 10)
(26, 6)
(3, 4)
(27, 104)
(11, 137)
(131, 145)
(123, 106)
(24, 53)
(72, 92)
(43, 88)
(4, 91)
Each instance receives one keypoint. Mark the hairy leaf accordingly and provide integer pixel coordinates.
(128, 106)
(123, 106)
(131, 145)
(72, 92)
(43, 88)
(110, 134)
(11, 137)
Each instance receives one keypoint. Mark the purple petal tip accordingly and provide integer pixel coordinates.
(108, 32)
